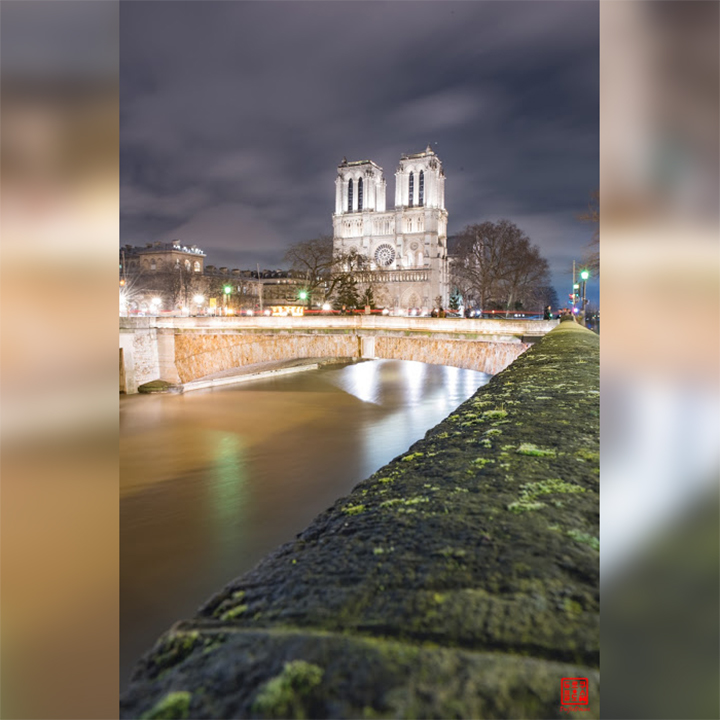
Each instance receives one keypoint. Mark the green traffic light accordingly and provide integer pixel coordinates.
(584, 274)
(227, 289)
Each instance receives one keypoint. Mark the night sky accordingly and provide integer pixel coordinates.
(235, 115)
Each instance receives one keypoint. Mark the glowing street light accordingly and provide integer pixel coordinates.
(199, 299)
(584, 275)
(227, 289)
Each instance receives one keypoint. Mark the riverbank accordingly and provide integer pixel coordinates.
(263, 370)
(256, 371)
(460, 580)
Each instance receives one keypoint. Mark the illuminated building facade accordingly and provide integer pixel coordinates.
(407, 245)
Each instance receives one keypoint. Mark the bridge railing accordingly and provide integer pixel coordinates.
(355, 322)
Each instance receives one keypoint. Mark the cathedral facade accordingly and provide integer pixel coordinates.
(407, 245)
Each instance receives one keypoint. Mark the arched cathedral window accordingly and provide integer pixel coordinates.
(421, 189)
(411, 189)
(350, 195)
(360, 194)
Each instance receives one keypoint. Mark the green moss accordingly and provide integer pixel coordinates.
(233, 613)
(521, 506)
(587, 455)
(572, 607)
(391, 502)
(533, 450)
(531, 491)
(549, 487)
(584, 538)
(453, 552)
(289, 694)
(498, 413)
(412, 456)
(353, 509)
(175, 648)
(395, 502)
(481, 462)
(494, 431)
(173, 705)
(385, 480)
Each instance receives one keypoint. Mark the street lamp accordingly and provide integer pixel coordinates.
(226, 292)
(155, 304)
(584, 275)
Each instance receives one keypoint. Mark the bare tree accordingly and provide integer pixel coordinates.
(313, 260)
(323, 269)
(180, 283)
(495, 265)
(592, 258)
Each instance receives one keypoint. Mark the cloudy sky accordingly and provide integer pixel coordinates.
(235, 115)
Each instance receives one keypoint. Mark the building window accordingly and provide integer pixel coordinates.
(350, 195)
(411, 191)
(187, 265)
(421, 189)
(360, 194)
(196, 266)
(153, 265)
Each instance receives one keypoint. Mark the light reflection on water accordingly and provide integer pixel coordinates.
(213, 480)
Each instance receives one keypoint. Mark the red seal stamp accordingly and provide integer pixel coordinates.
(574, 695)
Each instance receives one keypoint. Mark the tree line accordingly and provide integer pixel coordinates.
(493, 265)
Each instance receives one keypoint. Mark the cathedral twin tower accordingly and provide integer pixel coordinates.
(407, 245)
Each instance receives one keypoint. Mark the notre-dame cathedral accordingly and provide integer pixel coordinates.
(407, 246)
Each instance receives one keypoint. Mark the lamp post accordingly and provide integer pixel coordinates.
(584, 275)
(226, 293)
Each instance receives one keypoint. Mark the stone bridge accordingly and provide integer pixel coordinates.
(183, 350)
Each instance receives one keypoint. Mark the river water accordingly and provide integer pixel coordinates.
(213, 480)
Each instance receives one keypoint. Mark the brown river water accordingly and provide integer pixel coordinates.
(213, 480)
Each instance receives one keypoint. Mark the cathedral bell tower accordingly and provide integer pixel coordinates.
(420, 181)
(359, 186)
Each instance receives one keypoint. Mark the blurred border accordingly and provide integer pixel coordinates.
(58, 305)
(660, 280)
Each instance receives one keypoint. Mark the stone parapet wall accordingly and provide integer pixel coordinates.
(460, 580)
(488, 357)
(358, 322)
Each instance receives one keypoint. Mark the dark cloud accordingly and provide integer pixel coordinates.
(235, 115)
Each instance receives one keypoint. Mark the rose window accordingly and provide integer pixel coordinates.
(384, 255)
